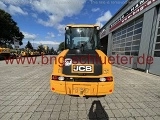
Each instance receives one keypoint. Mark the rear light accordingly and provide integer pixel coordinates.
(102, 79)
(54, 77)
(109, 79)
(61, 78)
(106, 79)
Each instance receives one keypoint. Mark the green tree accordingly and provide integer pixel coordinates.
(52, 51)
(61, 46)
(10, 46)
(9, 29)
(40, 48)
(29, 45)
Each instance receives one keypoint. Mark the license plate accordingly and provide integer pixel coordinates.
(77, 89)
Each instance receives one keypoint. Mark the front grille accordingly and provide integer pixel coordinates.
(82, 79)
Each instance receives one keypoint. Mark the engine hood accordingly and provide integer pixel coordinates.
(80, 63)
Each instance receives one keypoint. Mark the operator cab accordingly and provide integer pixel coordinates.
(82, 38)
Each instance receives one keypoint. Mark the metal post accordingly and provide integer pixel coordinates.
(33, 43)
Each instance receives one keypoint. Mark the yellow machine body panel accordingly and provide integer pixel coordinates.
(23, 54)
(81, 88)
(4, 50)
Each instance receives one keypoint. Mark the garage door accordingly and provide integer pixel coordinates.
(155, 67)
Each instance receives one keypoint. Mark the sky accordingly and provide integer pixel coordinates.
(43, 21)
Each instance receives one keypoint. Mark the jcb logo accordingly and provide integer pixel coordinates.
(82, 68)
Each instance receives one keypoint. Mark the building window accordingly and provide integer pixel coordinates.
(157, 47)
(138, 36)
(159, 31)
(157, 54)
(158, 39)
(157, 44)
(138, 31)
(126, 40)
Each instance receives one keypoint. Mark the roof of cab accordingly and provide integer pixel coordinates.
(82, 25)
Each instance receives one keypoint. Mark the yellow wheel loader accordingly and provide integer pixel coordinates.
(82, 68)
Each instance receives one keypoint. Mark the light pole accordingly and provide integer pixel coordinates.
(33, 44)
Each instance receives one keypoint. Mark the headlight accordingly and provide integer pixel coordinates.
(61, 78)
(98, 28)
(102, 79)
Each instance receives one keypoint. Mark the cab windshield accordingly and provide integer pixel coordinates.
(76, 38)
